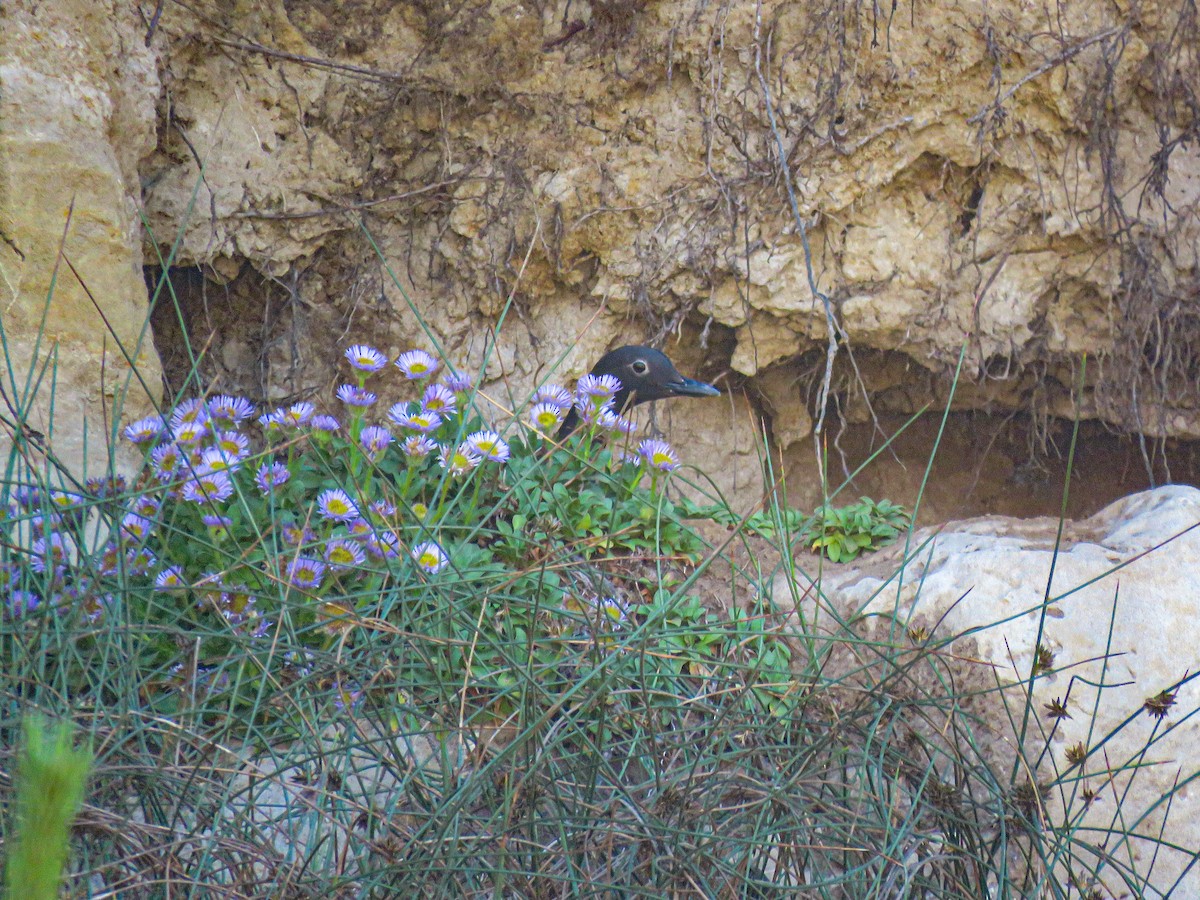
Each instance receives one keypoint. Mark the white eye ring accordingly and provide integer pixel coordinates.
(639, 366)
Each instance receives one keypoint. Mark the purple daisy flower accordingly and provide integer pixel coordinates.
(419, 446)
(64, 500)
(658, 455)
(628, 458)
(305, 572)
(271, 475)
(48, 553)
(430, 557)
(146, 505)
(608, 420)
(366, 358)
(597, 390)
(344, 553)
(67, 507)
(375, 440)
(169, 578)
(144, 431)
(194, 410)
(612, 609)
(327, 424)
(383, 544)
(236, 604)
(346, 699)
(398, 413)
(353, 395)
(488, 445)
(189, 433)
(110, 557)
(135, 527)
(27, 497)
(335, 504)
(272, 421)
(215, 459)
(167, 459)
(106, 487)
(459, 382)
(359, 528)
(295, 535)
(384, 509)
(212, 520)
(209, 583)
(439, 399)
(416, 364)
(298, 414)
(553, 393)
(459, 460)
(591, 414)
(232, 410)
(546, 416)
(423, 421)
(140, 561)
(95, 606)
(298, 662)
(21, 602)
(235, 444)
(212, 487)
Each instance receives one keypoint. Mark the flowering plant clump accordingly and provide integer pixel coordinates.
(300, 523)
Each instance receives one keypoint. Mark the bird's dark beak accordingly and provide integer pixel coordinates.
(690, 387)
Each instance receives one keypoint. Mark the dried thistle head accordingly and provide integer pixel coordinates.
(1028, 800)
(1056, 709)
(1160, 704)
(1076, 754)
(1043, 660)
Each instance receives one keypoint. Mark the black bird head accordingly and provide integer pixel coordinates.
(645, 374)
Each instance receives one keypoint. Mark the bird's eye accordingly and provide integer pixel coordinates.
(639, 367)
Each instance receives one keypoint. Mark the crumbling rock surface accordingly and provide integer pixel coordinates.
(966, 176)
(1013, 182)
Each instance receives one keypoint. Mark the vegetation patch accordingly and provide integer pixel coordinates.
(377, 651)
(842, 533)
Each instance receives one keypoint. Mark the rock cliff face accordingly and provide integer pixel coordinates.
(1016, 183)
(77, 93)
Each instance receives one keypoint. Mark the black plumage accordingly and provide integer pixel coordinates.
(645, 374)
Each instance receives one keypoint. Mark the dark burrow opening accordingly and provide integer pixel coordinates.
(987, 464)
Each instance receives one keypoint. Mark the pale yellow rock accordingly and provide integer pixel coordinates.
(239, 173)
(764, 341)
(627, 162)
(888, 318)
(785, 396)
(1122, 612)
(76, 117)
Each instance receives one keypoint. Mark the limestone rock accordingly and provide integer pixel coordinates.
(1121, 610)
(621, 158)
(76, 117)
(505, 162)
